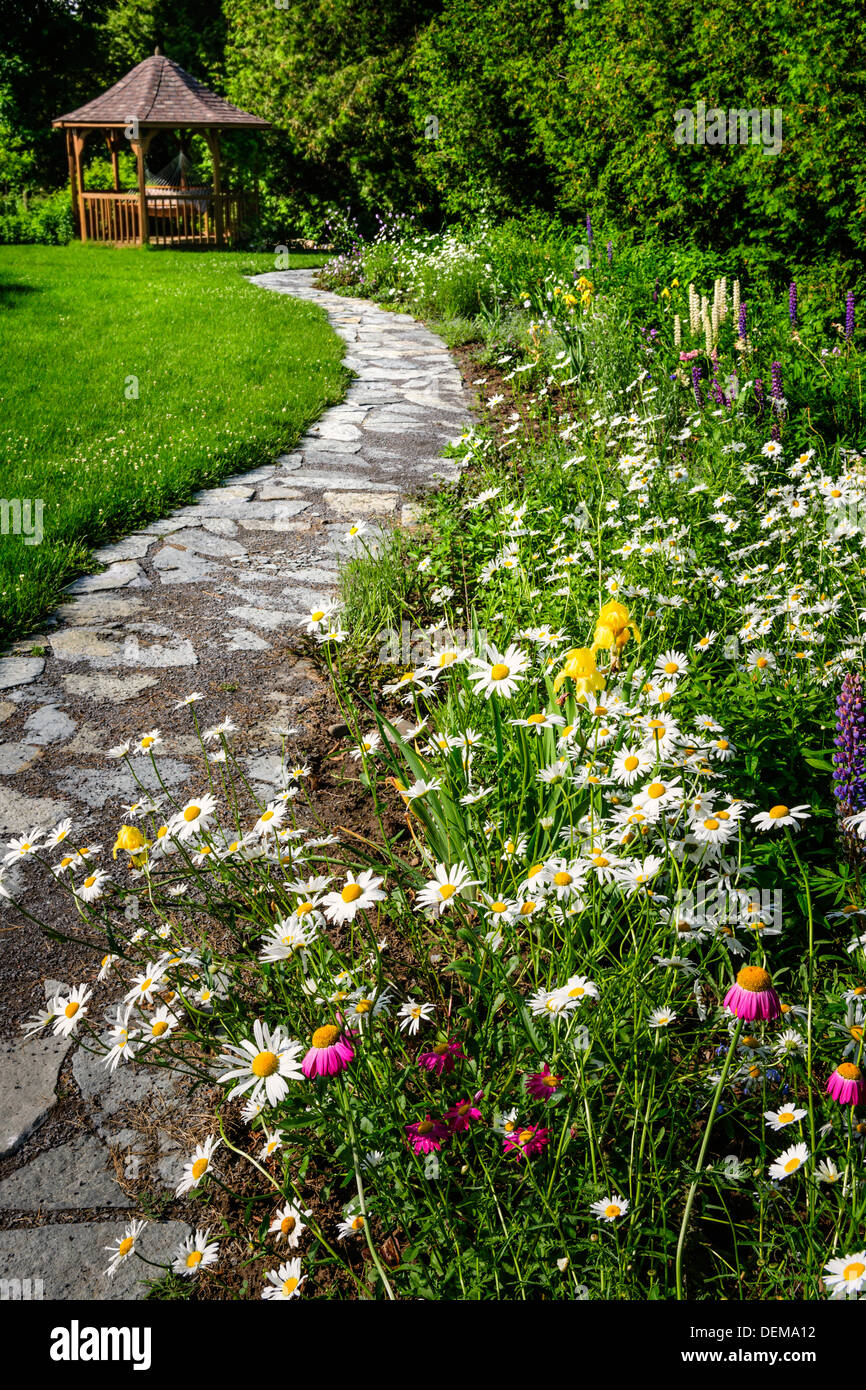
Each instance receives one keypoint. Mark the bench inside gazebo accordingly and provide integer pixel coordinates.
(169, 209)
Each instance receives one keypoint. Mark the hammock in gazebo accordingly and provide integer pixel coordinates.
(178, 179)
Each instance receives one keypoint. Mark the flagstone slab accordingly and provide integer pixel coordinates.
(15, 757)
(116, 690)
(70, 1259)
(115, 577)
(20, 670)
(74, 1176)
(49, 724)
(28, 1079)
(19, 813)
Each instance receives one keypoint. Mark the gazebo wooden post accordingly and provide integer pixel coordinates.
(73, 182)
(140, 146)
(213, 144)
(79, 138)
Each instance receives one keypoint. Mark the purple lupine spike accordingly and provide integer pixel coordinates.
(741, 327)
(696, 385)
(792, 303)
(849, 315)
(849, 759)
(588, 230)
(777, 400)
(610, 253)
(759, 397)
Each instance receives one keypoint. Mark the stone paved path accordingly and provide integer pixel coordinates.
(202, 600)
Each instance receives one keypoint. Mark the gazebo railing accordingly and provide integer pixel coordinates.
(173, 219)
(112, 217)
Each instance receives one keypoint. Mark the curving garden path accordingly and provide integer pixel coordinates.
(203, 600)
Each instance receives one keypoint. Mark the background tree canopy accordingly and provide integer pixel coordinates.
(454, 107)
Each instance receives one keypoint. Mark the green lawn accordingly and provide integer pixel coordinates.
(130, 378)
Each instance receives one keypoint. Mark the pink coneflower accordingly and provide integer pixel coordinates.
(529, 1140)
(331, 1052)
(426, 1135)
(542, 1084)
(461, 1115)
(442, 1057)
(753, 996)
(847, 1085)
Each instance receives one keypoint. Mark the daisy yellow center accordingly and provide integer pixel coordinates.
(761, 662)
(125, 1245)
(498, 907)
(855, 1270)
(536, 719)
(711, 824)
(499, 671)
(723, 744)
(89, 882)
(318, 615)
(267, 815)
(71, 1009)
(146, 742)
(777, 812)
(535, 870)
(193, 1259)
(287, 1225)
(351, 893)
(562, 879)
(577, 992)
(264, 1064)
(146, 985)
(358, 1223)
(792, 1165)
(161, 832)
(786, 1117)
(612, 1209)
(363, 1006)
(326, 1037)
(856, 1032)
(656, 726)
(159, 1028)
(447, 890)
(527, 909)
(753, 978)
(302, 909)
(191, 813)
(524, 1136)
(289, 1286)
(671, 667)
(656, 789)
(199, 1168)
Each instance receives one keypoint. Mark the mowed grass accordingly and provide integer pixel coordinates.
(128, 380)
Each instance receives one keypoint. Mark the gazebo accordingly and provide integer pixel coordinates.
(157, 95)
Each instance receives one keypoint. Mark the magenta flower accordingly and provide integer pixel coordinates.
(442, 1057)
(753, 996)
(330, 1053)
(426, 1135)
(461, 1115)
(541, 1085)
(529, 1140)
(847, 1085)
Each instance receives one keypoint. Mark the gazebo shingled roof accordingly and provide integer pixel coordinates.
(155, 95)
(158, 93)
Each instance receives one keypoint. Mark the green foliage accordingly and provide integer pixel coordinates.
(45, 219)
